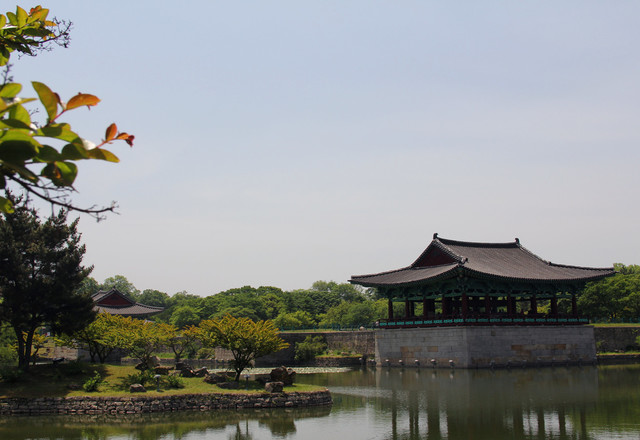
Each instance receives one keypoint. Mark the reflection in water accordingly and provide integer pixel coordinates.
(557, 403)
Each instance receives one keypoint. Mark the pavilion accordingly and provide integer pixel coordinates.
(116, 303)
(465, 285)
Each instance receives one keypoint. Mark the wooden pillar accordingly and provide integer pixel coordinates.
(487, 305)
(425, 308)
(534, 304)
(574, 305)
(445, 306)
(510, 304)
(407, 308)
(465, 306)
(554, 306)
(390, 310)
(412, 308)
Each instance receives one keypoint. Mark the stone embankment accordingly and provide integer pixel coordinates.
(155, 404)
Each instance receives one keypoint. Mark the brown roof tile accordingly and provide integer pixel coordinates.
(445, 258)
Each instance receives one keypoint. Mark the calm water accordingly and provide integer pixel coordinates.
(548, 403)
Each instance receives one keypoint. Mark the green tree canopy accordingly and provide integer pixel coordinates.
(40, 273)
(612, 298)
(246, 339)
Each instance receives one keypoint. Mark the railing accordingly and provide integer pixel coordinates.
(490, 320)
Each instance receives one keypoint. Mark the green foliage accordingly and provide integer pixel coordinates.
(10, 374)
(185, 316)
(173, 382)
(141, 339)
(40, 275)
(100, 337)
(293, 321)
(41, 158)
(247, 340)
(352, 314)
(93, 383)
(122, 284)
(613, 298)
(310, 348)
(143, 377)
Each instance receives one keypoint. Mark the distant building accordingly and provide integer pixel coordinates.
(116, 303)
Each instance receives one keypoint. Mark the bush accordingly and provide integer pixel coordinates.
(10, 374)
(173, 382)
(8, 356)
(143, 378)
(310, 348)
(93, 383)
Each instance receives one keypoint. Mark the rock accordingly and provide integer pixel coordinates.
(187, 372)
(283, 374)
(274, 387)
(137, 388)
(233, 385)
(182, 365)
(201, 372)
(162, 370)
(214, 378)
(154, 361)
(141, 366)
(262, 379)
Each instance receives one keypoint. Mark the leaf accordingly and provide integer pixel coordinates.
(60, 173)
(49, 99)
(12, 18)
(14, 123)
(58, 131)
(22, 16)
(74, 152)
(111, 132)
(48, 154)
(17, 147)
(19, 113)
(6, 206)
(102, 154)
(82, 99)
(10, 90)
(3, 21)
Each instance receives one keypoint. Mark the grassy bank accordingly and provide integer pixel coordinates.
(67, 379)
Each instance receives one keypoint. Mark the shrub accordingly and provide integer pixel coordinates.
(92, 384)
(10, 374)
(173, 382)
(143, 378)
(310, 348)
(8, 356)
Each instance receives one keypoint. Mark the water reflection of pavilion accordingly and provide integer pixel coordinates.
(517, 404)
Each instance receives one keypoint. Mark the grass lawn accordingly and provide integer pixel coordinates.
(64, 379)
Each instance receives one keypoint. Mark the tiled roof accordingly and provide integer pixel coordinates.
(445, 258)
(133, 310)
(116, 303)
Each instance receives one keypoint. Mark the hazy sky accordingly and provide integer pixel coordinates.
(283, 142)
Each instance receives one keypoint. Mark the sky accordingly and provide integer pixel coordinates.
(283, 142)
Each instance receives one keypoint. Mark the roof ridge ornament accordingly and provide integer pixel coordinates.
(435, 236)
(517, 241)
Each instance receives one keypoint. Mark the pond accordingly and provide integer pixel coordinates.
(546, 403)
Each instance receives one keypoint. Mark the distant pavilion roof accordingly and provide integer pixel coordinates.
(505, 262)
(116, 303)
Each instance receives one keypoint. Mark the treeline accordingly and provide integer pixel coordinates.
(326, 304)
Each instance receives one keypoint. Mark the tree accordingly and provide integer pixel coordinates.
(180, 341)
(40, 273)
(616, 297)
(123, 285)
(100, 337)
(142, 338)
(42, 158)
(185, 316)
(296, 320)
(152, 297)
(247, 340)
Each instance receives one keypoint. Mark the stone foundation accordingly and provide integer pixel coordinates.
(154, 404)
(484, 347)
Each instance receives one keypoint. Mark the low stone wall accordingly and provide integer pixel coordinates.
(156, 404)
(616, 338)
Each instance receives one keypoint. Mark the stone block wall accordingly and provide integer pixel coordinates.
(154, 404)
(482, 347)
(616, 338)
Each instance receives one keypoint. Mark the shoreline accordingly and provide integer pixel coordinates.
(140, 404)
